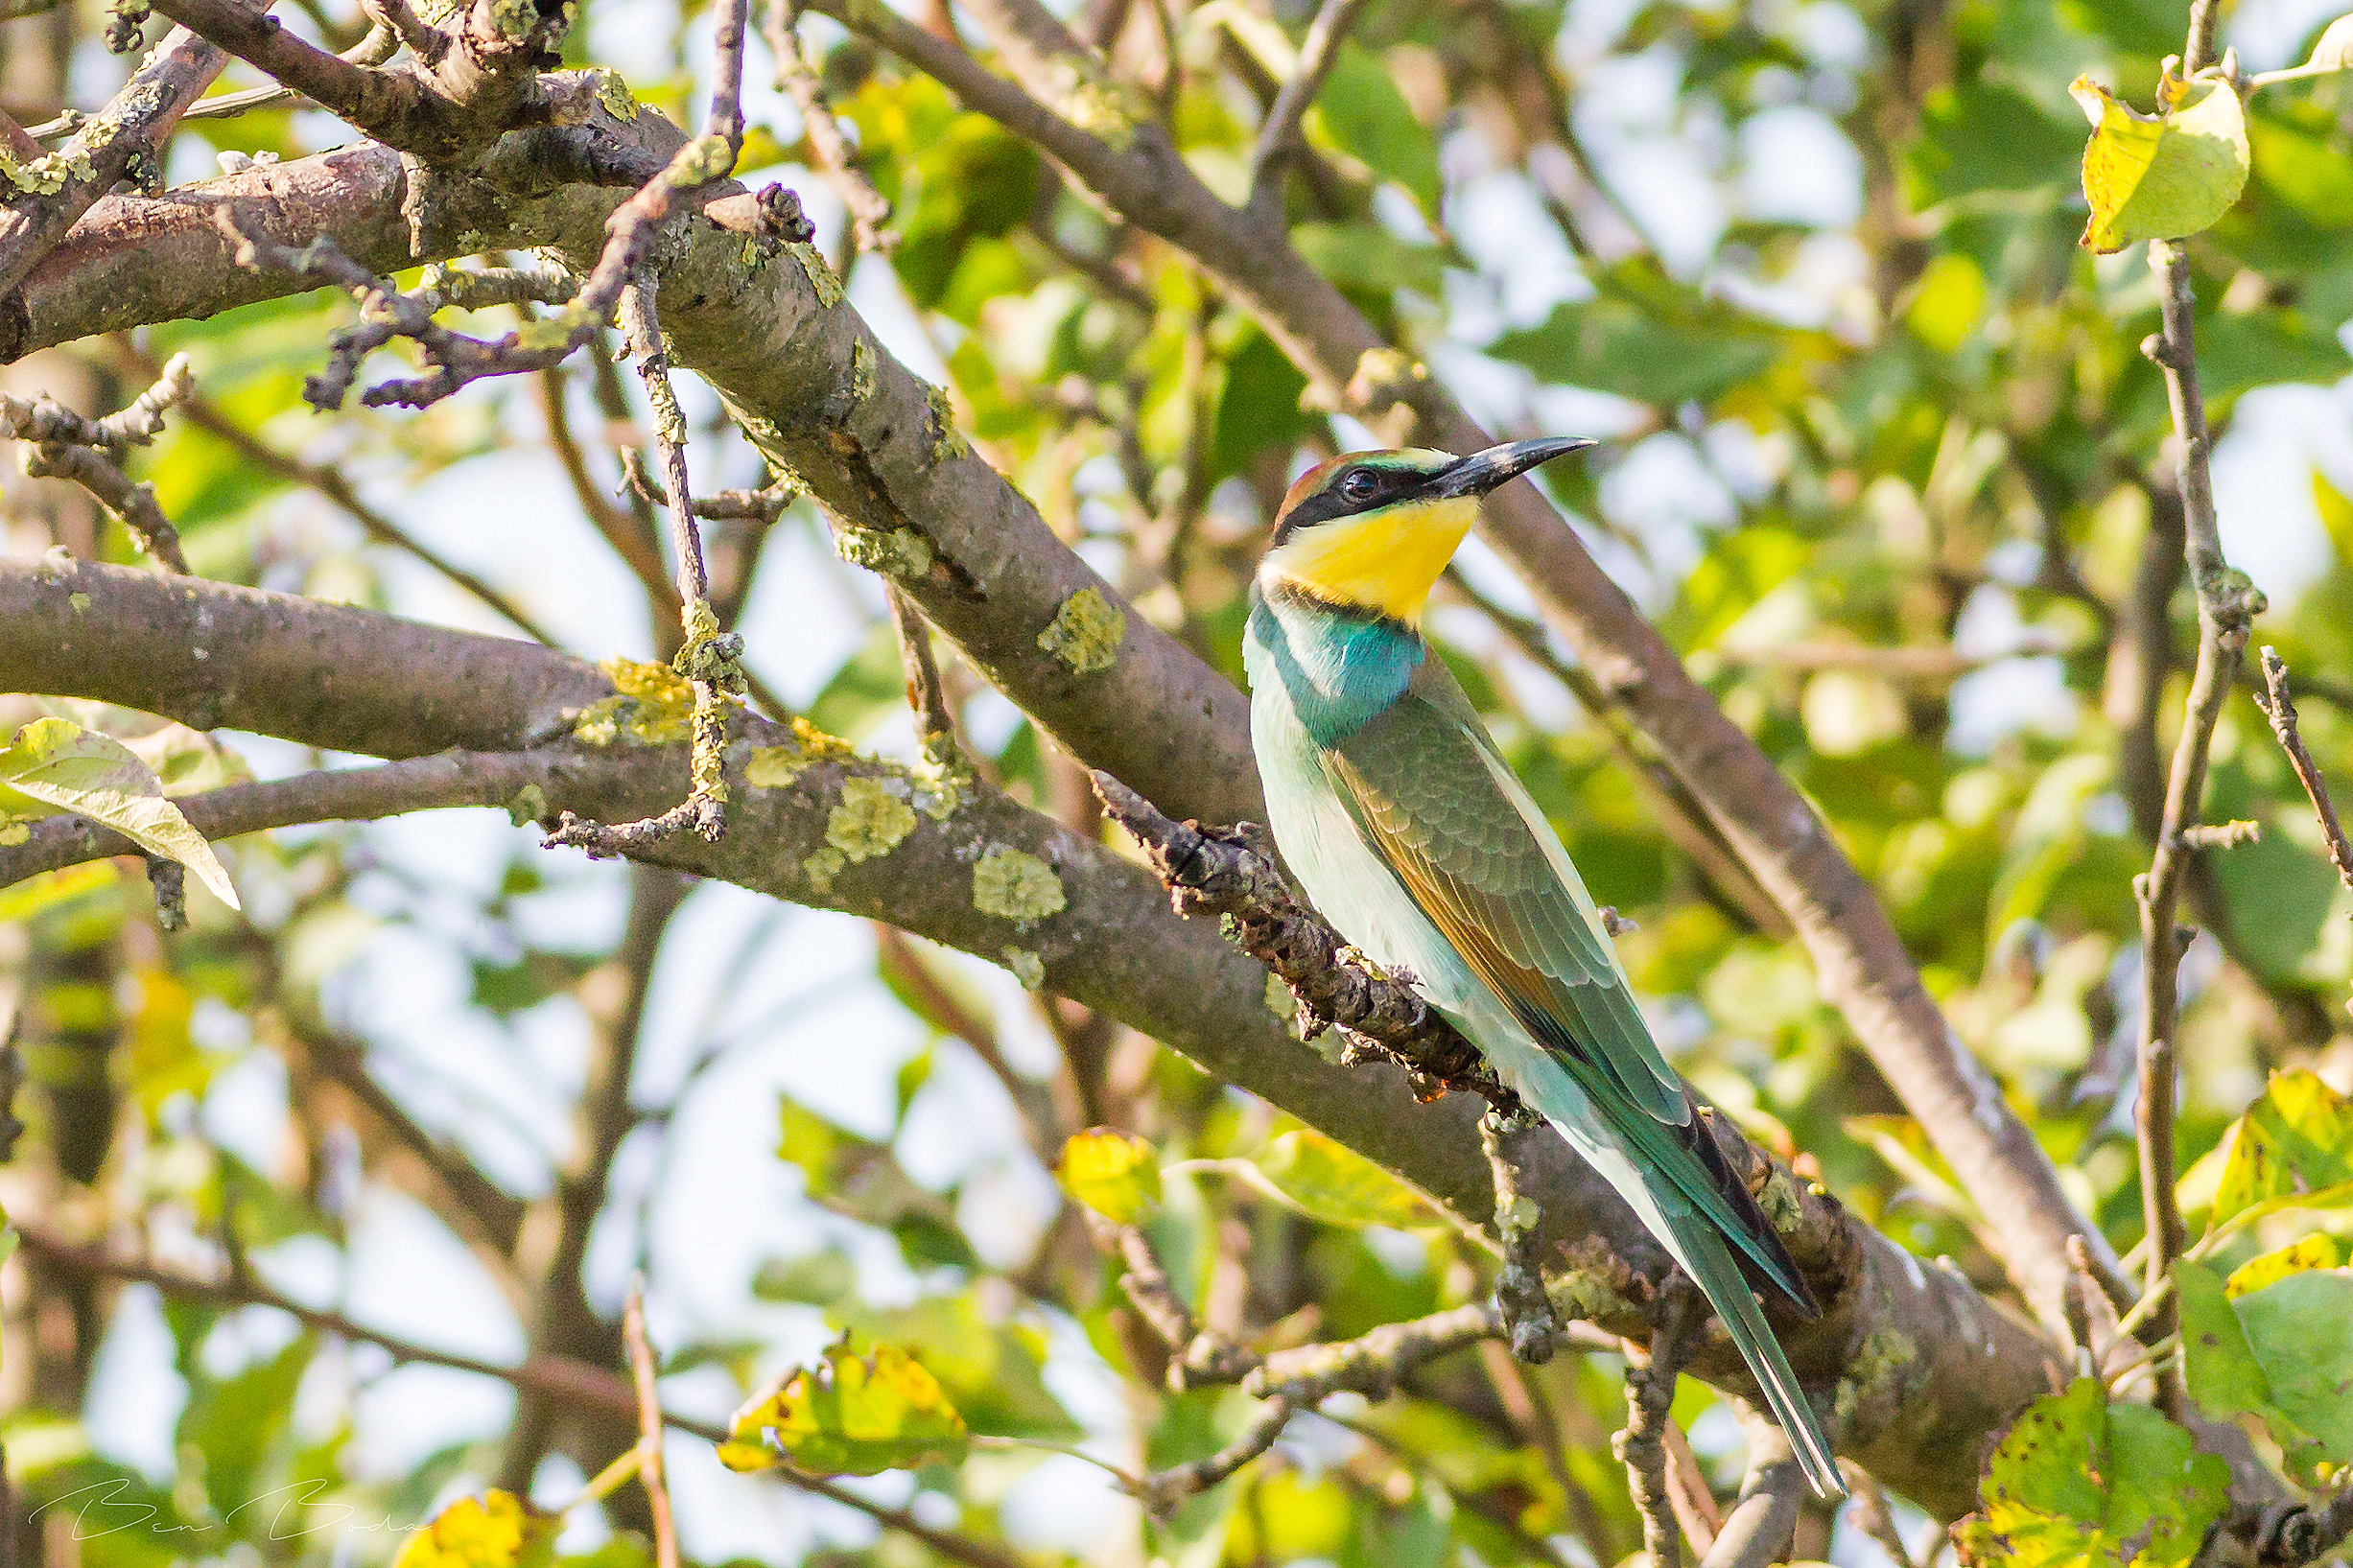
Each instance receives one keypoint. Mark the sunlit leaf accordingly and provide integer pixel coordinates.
(849, 1414)
(1115, 1174)
(1336, 1185)
(57, 763)
(1361, 111)
(497, 1529)
(2165, 176)
(2318, 1250)
(2078, 1483)
(2334, 52)
(2292, 1149)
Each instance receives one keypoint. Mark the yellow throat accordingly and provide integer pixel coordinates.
(1386, 560)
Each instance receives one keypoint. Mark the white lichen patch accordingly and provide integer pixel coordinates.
(1026, 966)
(779, 767)
(822, 279)
(1085, 632)
(901, 553)
(1016, 886)
(654, 706)
(872, 819)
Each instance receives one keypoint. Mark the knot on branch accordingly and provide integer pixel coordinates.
(1216, 870)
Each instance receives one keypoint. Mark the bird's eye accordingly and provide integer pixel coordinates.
(1359, 484)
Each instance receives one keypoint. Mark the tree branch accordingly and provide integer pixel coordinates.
(1279, 136)
(1946, 1367)
(1758, 1530)
(1862, 965)
(1650, 1390)
(63, 445)
(649, 1426)
(125, 136)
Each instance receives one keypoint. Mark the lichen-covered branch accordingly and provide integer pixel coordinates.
(1065, 103)
(1216, 872)
(1641, 1447)
(1924, 1366)
(60, 444)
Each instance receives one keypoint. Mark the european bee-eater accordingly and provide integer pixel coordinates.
(1398, 815)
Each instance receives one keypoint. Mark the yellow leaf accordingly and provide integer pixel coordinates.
(848, 1416)
(497, 1529)
(2313, 1252)
(2292, 1149)
(2165, 176)
(1115, 1174)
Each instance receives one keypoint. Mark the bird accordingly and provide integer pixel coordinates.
(1401, 820)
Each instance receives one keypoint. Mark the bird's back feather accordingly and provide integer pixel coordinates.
(1409, 831)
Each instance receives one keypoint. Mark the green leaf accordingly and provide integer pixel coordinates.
(849, 1415)
(2165, 176)
(2283, 1353)
(2292, 1149)
(1334, 1183)
(1115, 1174)
(2077, 1482)
(56, 763)
(1612, 345)
(1362, 113)
(497, 1529)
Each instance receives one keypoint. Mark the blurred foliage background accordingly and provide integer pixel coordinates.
(1882, 459)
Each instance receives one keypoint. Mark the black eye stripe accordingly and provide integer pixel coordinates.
(1336, 499)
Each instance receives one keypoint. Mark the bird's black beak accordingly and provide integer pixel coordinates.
(1483, 471)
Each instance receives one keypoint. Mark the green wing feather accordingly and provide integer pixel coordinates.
(1442, 808)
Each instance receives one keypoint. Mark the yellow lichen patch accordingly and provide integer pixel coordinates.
(14, 832)
(1016, 886)
(614, 95)
(654, 706)
(821, 868)
(872, 818)
(529, 804)
(901, 553)
(822, 279)
(1874, 1385)
(1085, 633)
(1026, 966)
(863, 363)
(777, 767)
(1279, 999)
(947, 441)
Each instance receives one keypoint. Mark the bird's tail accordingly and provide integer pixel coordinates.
(1694, 1211)
(1710, 1263)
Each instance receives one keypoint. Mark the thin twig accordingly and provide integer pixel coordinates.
(380, 45)
(2227, 603)
(926, 697)
(1650, 1390)
(1757, 1530)
(650, 1472)
(1521, 1297)
(2281, 709)
(560, 1378)
(796, 73)
(60, 444)
(1215, 871)
(1279, 136)
(710, 658)
(1871, 1514)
